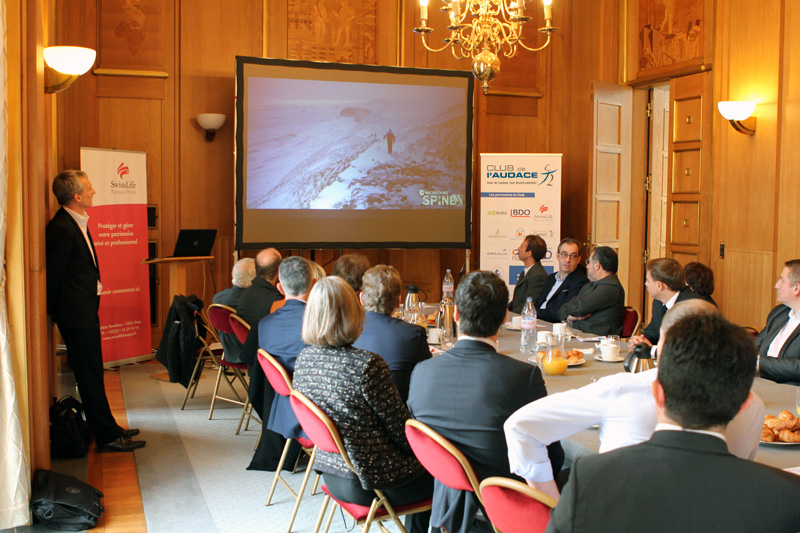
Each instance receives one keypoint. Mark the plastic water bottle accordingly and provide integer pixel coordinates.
(448, 287)
(527, 340)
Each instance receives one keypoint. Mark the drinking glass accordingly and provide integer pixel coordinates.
(797, 401)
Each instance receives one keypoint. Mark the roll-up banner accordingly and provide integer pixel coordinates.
(520, 195)
(118, 225)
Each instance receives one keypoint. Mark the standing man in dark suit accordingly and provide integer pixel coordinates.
(258, 299)
(532, 279)
(73, 299)
(684, 478)
(468, 392)
(600, 306)
(242, 274)
(779, 342)
(665, 281)
(401, 345)
(563, 285)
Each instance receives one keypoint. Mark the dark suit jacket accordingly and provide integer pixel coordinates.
(529, 285)
(257, 300)
(401, 345)
(569, 289)
(230, 343)
(604, 300)
(676, 481)
(72, 276)
(466, 394)
(786, 367)
(280, 335)
(653, 330)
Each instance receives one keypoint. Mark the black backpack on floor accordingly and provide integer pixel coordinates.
(69, 437)
(64, 502)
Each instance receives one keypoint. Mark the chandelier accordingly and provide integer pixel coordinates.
(494, 27)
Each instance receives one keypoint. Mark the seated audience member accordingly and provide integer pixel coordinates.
(684, 478)
(351, 268)
(779, 342)
(466, 393)
(532, 279)
(621, 405)
(279, 333)
(243, 272)
(700, 280)
(563, 285)
(355, 389)
(666, 284)
(599, 307)
(318, 271)
(257, 300)
(401, 345)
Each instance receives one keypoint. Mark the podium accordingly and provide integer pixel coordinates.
(177, 271)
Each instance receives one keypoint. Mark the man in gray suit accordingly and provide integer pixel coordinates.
(532, 279)
(779, 342)
(600, 306)
(684, 478)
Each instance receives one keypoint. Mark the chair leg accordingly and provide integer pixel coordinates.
(302, 488)
(330, 517)
(192, 381)
(214, 394)
(278, 470)
(321, 513)
(258, 440)
(315, 487)
(241, 417)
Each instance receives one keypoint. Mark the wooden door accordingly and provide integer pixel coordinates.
(611, 164)
(689, 187)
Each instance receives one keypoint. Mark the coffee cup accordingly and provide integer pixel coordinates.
(516, 322)
(541, 337)
(609, 352)
(434, 335)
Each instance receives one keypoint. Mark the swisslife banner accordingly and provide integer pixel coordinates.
(520, 195)
(118, 224)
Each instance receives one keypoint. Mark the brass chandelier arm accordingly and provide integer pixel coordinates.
(425, 44)
(549, 34)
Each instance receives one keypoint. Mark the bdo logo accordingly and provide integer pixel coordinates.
(520, 212)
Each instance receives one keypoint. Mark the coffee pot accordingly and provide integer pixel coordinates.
(640, 359)
(412, 296)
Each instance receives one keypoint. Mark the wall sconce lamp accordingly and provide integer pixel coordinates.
(210, 122)
(738, 113)
(64, 64)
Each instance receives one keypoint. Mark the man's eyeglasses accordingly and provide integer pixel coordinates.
(565, 255)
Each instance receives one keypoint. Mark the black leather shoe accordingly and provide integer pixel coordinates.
(128, 433)
(121, 444)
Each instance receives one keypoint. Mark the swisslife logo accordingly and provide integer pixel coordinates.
(125, 185)
(543, 213)
(123, 170)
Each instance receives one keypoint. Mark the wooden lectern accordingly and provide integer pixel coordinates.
(177, 271)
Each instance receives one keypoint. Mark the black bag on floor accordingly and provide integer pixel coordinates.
(69, 436)
(64, 502)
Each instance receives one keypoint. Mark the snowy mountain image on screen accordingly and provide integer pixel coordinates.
(345, 148)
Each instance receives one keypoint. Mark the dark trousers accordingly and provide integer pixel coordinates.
(85, 357)
(351, 491)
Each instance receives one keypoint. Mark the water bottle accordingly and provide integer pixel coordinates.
(527, 340)
(448, 287)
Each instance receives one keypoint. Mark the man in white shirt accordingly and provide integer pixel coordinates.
(779, 342)
(621, 405)
(683, 478)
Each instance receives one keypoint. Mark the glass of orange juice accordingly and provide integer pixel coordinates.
(554, 363)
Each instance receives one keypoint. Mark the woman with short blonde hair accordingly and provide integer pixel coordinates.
(355, 389)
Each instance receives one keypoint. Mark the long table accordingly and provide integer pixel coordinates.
(776, 397)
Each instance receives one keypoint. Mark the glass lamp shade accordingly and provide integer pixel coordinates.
(733, 110)
(211, 121)
(72, 60)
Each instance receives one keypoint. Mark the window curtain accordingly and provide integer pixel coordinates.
(14, 473)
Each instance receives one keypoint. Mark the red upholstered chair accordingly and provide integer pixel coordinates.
(514, 507)
(282, 383)
(631, 322)
(323, 432)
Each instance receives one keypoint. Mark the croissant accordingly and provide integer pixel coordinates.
(786, 435)
(767, 435)
(776, 424)
(787, 415)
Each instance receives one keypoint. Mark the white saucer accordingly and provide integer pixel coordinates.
(618, 359)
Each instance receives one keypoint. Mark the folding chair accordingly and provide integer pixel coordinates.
(323, 432)
(631, 322)
(205, 353)
(282, 383)
(442, 459)
(514, 507)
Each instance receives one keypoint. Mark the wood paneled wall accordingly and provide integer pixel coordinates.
(187, 51)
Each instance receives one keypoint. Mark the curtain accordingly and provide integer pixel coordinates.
(14, 473)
